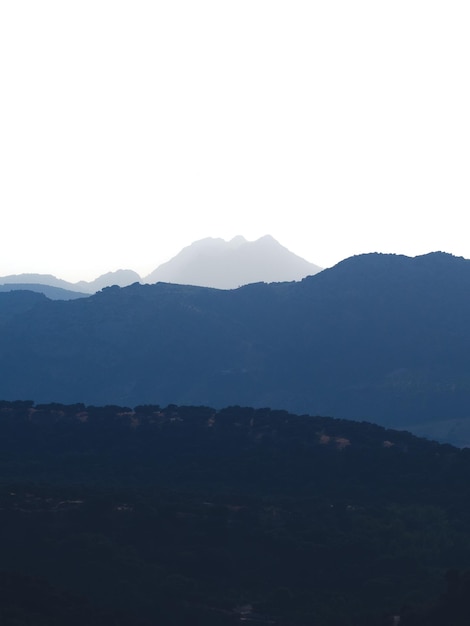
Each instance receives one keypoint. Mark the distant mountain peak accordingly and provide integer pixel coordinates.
(208, 262)
(269, 238)
(214, 262)
(121, 278)
(238, 240)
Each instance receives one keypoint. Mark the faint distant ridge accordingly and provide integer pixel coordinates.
(62, 288)
(121, 278)
(51, 292)
(214, 262)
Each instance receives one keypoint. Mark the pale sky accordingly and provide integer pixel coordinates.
(129, 129)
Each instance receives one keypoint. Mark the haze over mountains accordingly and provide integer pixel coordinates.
(58, 289)
(378, 337)
(209, 262)
(228, 265)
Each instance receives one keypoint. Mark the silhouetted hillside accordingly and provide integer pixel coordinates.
(378, 337)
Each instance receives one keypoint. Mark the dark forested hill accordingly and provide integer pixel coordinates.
(378, 337)
(188, 515)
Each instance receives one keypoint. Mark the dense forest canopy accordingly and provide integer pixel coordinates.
(188, 515)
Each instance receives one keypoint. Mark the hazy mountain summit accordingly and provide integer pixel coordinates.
(209, 262)
(214, 262)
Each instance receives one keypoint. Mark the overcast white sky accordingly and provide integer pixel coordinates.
(129, 129)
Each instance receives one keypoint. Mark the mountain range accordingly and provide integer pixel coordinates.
(378, 337)
(208, 262)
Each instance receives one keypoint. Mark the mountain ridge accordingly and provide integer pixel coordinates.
(378, 337)
(122, 278)
(211, 262)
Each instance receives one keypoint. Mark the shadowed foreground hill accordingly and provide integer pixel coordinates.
(187, 515)
(378, 337)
